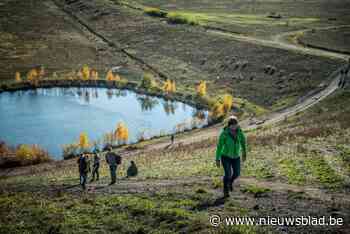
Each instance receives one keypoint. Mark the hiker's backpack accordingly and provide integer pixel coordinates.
(118, 159)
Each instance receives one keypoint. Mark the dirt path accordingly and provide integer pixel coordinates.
(131, 186)
(281, 41)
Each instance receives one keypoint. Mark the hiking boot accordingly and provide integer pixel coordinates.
(226, 194)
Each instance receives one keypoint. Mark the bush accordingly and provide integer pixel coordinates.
(152, 11)
(22, 155)
(31, 154)
(176, 18)
(148, 81)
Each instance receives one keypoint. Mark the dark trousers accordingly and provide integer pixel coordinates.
(113, 170)
(232, 169)
(95, 172)
(83, 179)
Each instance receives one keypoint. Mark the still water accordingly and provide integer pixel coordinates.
(57, 116)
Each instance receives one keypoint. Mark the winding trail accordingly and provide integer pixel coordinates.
(281, 41)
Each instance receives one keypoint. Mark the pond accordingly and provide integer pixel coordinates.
(53, 117)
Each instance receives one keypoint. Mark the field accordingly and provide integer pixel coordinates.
(252, 17)
(280, 61)
(332, 39)
(46, 36)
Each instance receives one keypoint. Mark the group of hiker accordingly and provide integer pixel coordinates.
(112, 159)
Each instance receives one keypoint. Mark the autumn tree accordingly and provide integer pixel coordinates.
(173, 86)
(85, 71)
(121, 133)
(227, 102)
(83, 141)
(31, 154)
(111, 77)
(94, 74)
(33, 76)
(18, 77)
(148, 81)
(169, 86)
(218, 110)
(202, 88)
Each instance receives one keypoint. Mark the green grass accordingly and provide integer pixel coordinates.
(152, 11)
(241, 19)
(255, 190)
(182, 18)
(294, 170)
(320, 169)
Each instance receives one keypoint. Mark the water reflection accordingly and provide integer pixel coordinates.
(169, 107)
(147, 103)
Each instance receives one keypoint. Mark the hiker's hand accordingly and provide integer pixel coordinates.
(218, 163)
(244, 157)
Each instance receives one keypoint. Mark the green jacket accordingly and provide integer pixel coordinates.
(229, 147)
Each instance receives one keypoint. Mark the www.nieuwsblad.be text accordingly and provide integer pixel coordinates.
(217, 220)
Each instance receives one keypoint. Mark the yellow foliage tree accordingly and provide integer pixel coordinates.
(218, 110)
(33, 76)
(32, 154)
(85, 72)
(111, 77)
(169, 86)
(94, 74)
(202, 88)
(173, 86)
(83, 141)
(227, 102)
(148, 81)
(18, 77)
(121, 133)
(24, 152)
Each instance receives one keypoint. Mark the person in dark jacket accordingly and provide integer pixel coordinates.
(96, 166)
(83, 163)
(113, 160)
(231, 144)
(132, 170)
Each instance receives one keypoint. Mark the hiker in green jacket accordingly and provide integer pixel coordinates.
(231, 144)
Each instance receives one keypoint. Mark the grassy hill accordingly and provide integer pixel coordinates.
(300, 167)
